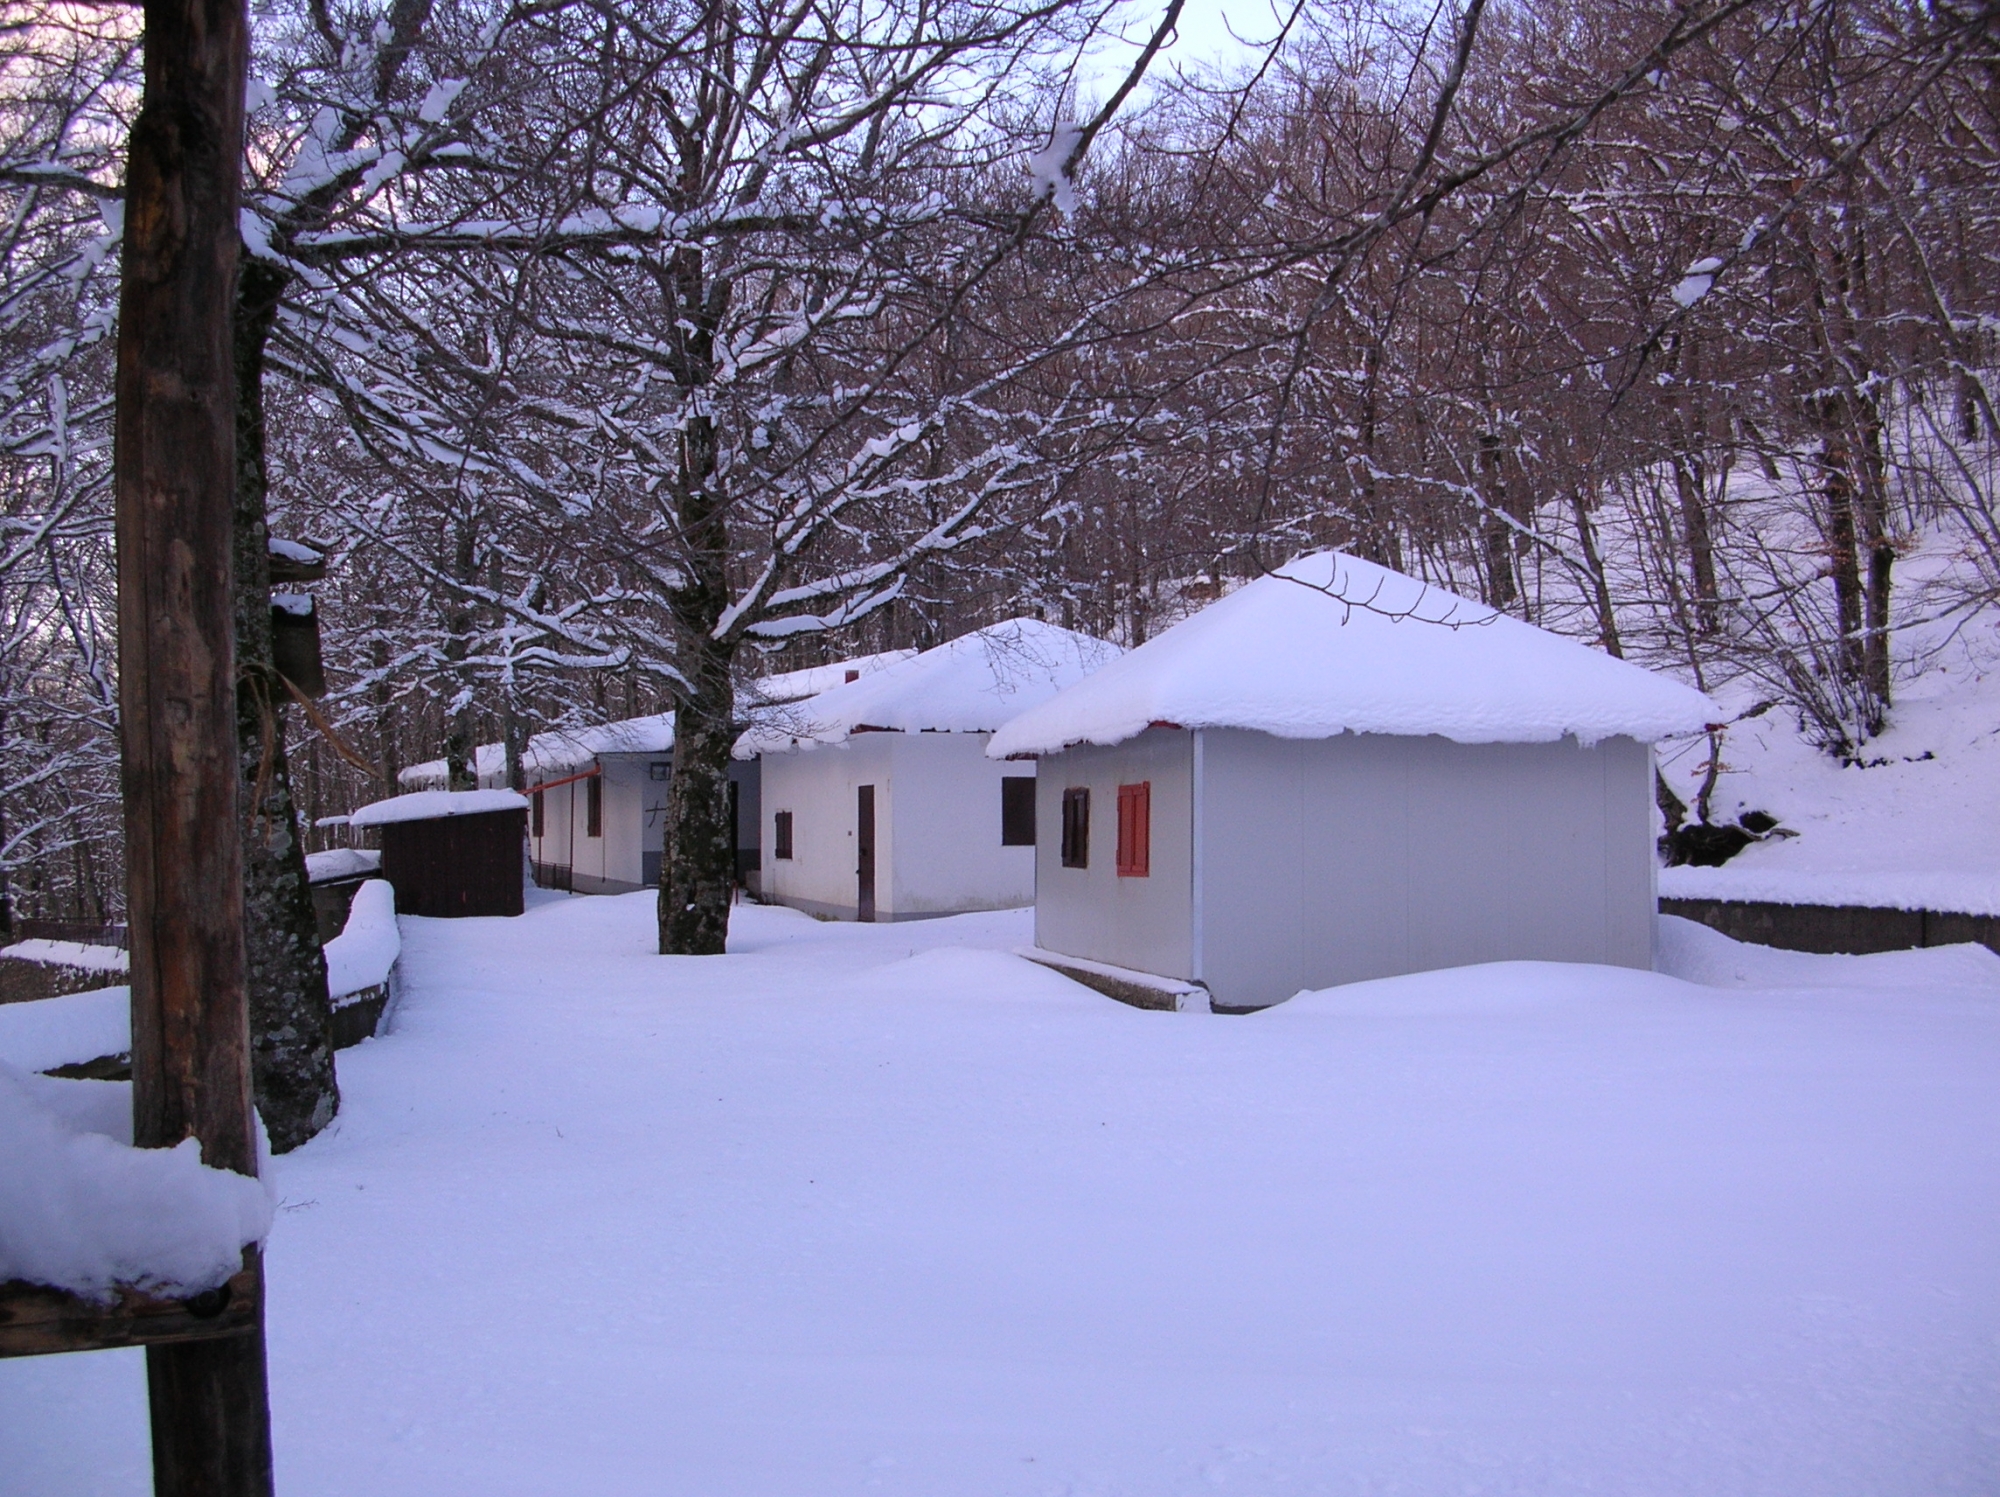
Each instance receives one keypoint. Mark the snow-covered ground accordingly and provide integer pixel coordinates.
(1916, 826)
(886, 1210)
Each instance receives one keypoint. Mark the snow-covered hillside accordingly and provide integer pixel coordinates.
(883, 1209)
(1915, 824)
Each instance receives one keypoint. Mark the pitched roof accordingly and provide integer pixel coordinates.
(796, 686)
(563, 749)
(972, 684)
(1331, 644)
(428, 805)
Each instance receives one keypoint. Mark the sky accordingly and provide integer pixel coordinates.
(1205, 38)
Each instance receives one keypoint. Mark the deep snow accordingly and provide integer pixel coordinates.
(888, 1210)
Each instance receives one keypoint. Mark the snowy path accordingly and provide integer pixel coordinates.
(825, 1217)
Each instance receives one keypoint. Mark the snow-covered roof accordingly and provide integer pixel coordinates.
(971, 685)
(564, 749)
(1331, 644)
(428, 805)
(489, 763)
(796, 686)
(341, 862)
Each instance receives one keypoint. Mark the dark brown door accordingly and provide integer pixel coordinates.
(864, 849)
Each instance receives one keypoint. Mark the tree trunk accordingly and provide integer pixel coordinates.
(698, 862)
(1843, 551)
(1691, 487)
(174, 471)
(1501, 589)
(1872, 508)
(1593, 563)
(384, 701)
(698, 866)
(461, 739)
(291, 1013)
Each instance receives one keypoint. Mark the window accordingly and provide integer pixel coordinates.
(781, 835)
(659, 771)
(540, 815)
(1017, 811)
(1135, 829)
(593, 806)
(1076, 827)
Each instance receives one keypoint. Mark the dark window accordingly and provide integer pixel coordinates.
(1017, 811)
(593, 806)
(540, 814)
(659, 771)
(1135, 829)
(781, 835)
(1076, 827)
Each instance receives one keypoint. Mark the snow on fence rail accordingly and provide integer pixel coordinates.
(359, 958)
(85, 1212)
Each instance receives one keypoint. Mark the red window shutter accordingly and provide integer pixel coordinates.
(1135, 829)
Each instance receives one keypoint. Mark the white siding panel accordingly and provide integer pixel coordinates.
(946, 830)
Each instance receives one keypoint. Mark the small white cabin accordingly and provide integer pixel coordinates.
(598, 795)
(1338, 772)
(879, 802)
(597, 804)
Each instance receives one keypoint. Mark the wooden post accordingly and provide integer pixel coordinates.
(175, 474)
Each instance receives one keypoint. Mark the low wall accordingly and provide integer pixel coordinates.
(356, 1016)
(1836, 929)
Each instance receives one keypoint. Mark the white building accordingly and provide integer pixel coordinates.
(598, 795)
(1339, 773)
(879, 802)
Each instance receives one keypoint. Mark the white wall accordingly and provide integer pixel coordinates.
(817, 785)
(561, 812)
(948, 856)
(937, 827)
(634, 806)
(1142, 923)
(1334, 860)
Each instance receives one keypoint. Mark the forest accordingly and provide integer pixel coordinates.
(596, 356)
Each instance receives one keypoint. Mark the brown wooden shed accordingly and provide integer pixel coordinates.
(450, 853)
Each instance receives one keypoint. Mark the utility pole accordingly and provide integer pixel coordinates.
(175, 476)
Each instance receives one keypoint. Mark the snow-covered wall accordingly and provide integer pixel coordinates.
(367, 947)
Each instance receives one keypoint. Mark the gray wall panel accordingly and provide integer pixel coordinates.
(1142, 923)
(1335, 860)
